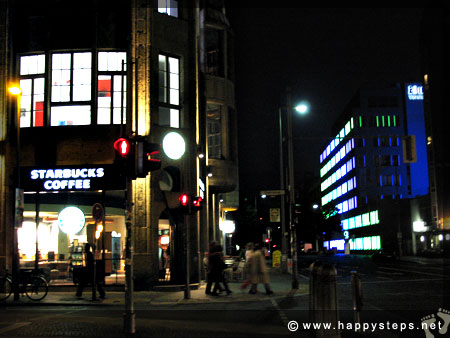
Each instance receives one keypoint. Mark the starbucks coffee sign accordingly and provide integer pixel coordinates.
(73, 178)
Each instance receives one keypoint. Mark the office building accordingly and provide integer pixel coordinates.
(375, 170)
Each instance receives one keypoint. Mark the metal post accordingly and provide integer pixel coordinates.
(323, 301)
(187, 290)
(283, 199)
(291, 191)
(18, 216)
(36, 220)
(129, 316)
(356, 296)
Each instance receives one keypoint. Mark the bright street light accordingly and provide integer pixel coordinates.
(302, 108)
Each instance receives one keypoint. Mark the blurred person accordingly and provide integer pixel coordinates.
(258, 271)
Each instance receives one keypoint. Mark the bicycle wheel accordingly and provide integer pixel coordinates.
(5, 288)
(36, 288)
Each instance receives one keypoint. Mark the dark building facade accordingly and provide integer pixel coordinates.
(94, 71)
(435, 67)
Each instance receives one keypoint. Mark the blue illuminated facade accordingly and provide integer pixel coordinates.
(365, 174)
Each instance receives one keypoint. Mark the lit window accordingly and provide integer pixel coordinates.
(70, 115)
(32, 102)
(71, 88)
(169, 7)
(169, 91)
(111, 100)
(33, 64)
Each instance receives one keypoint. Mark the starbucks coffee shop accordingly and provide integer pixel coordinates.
(65, 207)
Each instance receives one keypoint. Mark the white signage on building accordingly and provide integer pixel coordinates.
(71, 179)
(415, 92)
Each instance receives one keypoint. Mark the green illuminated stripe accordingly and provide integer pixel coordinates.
(378, 122)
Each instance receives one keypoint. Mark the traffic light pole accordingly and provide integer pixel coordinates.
(187, 289)
(291, 191)
(283, 200)
(129, 316)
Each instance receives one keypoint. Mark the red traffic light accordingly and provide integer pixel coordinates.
(122, 147)
(196, 201)
(266, 240)
(184, 200)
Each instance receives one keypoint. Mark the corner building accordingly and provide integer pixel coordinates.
(375, 171)
(94, 71)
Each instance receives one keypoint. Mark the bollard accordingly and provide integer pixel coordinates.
(357, 296)
(323, 302)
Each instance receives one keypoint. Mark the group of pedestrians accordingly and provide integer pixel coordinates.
(255, 270)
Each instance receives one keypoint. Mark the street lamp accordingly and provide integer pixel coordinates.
(15, 90)
(302, 108)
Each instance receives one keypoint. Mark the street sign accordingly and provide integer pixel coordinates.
(272, 192)
(98, 212)
(275, 215)
(276, 259)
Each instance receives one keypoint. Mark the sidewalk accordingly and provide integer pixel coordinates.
(280, 284)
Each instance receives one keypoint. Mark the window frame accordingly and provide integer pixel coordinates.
(164, 103)
(52, 105)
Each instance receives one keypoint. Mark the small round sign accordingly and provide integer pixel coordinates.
(98, 212)
(71, 220)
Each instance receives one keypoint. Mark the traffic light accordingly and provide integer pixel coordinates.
(267, 240)
(196, 203)
(145, 158)
(124, 159)
(184, 203)
(123, 147)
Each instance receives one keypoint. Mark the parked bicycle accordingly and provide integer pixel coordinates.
(31, 283)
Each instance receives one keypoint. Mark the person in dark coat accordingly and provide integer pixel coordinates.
(215, 269)
(88, 275)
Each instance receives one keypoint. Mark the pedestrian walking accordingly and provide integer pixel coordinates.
(248, 252)
(215, 271)
(258, 271)
(88, 276)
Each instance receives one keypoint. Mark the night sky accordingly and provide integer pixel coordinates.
(324, 55)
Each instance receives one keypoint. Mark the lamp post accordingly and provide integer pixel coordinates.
(18, 198)
(301, 108)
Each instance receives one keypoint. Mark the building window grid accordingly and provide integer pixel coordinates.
(362, 220)
(339, 137)
(332, 162)
(70, 88)
(340, 173)
(338, 192)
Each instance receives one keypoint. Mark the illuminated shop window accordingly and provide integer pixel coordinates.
(169, 91)
(71, 88)
(169, 7)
